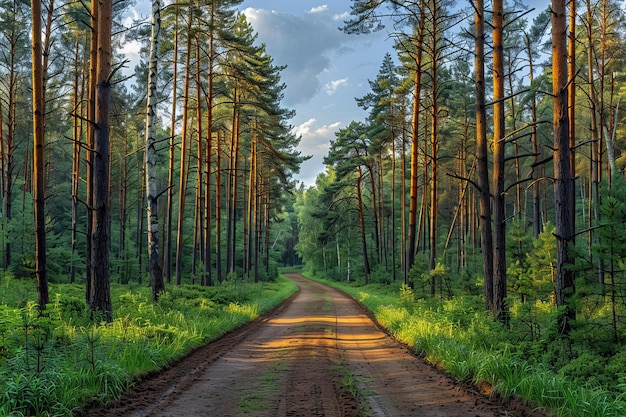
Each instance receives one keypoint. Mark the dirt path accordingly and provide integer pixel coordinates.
(292, 364)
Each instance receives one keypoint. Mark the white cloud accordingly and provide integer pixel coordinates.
(130, 50)
(342, 16)
(132, 17)
(332, 86)
(307, 44)
(308, 130)
(319, 9)
(315, 141)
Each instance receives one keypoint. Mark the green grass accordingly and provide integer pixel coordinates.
(255, 403)
(55, 364)
(457, 336)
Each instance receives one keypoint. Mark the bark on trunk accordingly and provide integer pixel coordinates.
(499, 260)
(39, 157)
(182, 189)
(562, 171)
(152, 212)
(413, 189)
(100, 263)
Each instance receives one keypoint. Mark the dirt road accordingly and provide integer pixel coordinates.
(307, 359)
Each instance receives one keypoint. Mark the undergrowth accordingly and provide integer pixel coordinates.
(527, 360)
(55, 363)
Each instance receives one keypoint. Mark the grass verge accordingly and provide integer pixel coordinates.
(52, 365)
(456, 336)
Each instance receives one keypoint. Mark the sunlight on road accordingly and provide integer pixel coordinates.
(330, 319)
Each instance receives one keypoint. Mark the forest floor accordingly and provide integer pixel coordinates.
(318, 354)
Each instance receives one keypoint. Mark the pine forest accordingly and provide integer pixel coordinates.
(479, 209)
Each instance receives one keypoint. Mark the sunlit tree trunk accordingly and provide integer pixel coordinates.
(39, 157)
(100, 290)
(571, 93)
(499, 260)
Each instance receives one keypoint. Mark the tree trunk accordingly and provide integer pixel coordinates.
(374, 201)
(208, 261)
(77, 132)
(199, 229)
(218, 211)
(167, 264)
(122, 188)
(141, 203)
(39, 157)
(562, 171)
(413, 189)
(595, 166)
(366, 264)
(434, 147)
(405, 270)
(152, 212)
(100, 289)
(537, 220)
(91, 131)
(499, 264)
(392, 235)
(9, 151)
(3, 184)
(231, 223)
(253, 189)
(182, 189)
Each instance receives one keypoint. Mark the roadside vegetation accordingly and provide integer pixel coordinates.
(55, 363)
(569, 377)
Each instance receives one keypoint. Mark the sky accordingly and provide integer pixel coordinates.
(326, 68)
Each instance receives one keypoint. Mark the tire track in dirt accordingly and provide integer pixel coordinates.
(291, 363)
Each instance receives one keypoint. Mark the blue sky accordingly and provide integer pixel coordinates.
(326, 68)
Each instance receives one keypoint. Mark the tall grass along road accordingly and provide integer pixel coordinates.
(318, 355)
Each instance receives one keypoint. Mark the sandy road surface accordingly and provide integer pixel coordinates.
(292, 364)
